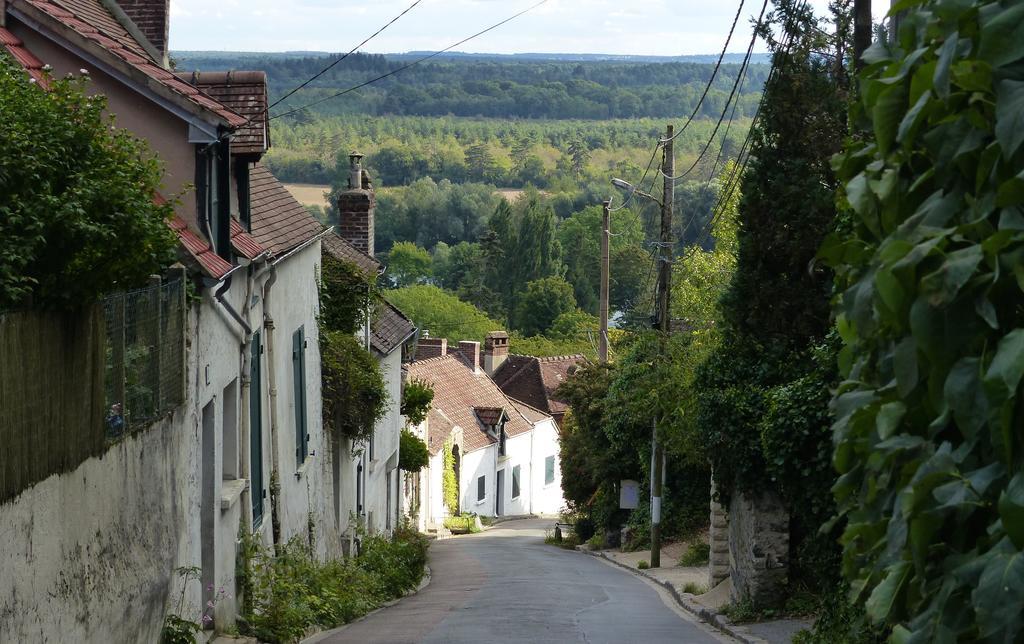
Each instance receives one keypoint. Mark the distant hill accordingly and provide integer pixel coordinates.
(517, 86)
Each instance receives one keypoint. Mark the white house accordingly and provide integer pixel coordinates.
(175, 488)
(504, 453)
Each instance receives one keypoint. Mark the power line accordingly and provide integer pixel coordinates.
(346, 55)
(714, 72)
(412, 64)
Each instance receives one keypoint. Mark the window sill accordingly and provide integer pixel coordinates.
(481, 501)
(231, 491)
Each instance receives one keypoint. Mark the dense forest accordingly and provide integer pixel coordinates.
(490, 172)
(487, 87)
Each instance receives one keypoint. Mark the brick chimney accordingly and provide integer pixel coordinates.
(471, 351)
(149, 19)
(431, 348)
(355, 207)
(495, 351)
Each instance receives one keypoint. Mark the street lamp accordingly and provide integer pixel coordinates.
(622, 184)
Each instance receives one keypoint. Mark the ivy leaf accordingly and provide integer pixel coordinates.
(945, 61)
(1011, 509)
(905, 366)
(965, 395)
(1008, 364)
(889, 417)
(908, 127)
(999, 596)
(887, 114)
(1002, 33)
(885, 594)
(1010, 115)
(942, 285)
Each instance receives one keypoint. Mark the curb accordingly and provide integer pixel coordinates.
(322, 635)
(687, 603)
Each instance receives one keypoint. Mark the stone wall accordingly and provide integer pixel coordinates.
(758, 547)
(718, 564)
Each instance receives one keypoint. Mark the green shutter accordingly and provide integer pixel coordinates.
(256, 430)
(299, 373)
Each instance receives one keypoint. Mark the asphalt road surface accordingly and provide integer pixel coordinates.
(507, 585)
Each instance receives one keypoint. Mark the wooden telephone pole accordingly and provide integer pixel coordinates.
(602, 350)
(664, 328)
(861, 31)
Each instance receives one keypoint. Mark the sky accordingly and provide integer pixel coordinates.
(635, 27)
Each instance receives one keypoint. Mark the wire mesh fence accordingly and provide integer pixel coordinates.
(144, 376)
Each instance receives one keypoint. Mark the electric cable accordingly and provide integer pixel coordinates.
(408, 65)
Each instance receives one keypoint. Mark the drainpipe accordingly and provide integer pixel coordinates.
(268, 323)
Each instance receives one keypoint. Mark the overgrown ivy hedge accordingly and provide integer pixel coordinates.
(77, 211)
(355, 394)
(929, 416)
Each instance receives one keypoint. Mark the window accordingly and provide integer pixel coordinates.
(515, 482)
(502, 451)
(549, 470)
(256, 431)
(481, 488)
(299, 373)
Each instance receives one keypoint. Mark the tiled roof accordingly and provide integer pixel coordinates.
(246, 94)
(341, 249)
(532, 414)
(390, 328)
(150, 16)
(458, 391)
(534, 380)
(489, 416)
(243, 243)
(200, 253)
(279, 222)
(90, 20)
(13, 46)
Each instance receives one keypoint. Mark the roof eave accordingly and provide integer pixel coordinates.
(95, 55)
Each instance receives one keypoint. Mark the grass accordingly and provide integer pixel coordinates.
(694, 589)
(596, 542)
(697, 554)
(462, 524)
(800, 604)
(642, 565)
(569, 542)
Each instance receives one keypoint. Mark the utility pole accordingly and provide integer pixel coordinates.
(861, 31)
(664, 327)
(602, 351)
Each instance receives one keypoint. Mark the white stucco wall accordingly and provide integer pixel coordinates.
(547, 498)
(518, 451)
(475, 464)
(384, 463)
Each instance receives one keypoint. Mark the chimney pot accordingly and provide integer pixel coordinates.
(495, 351)
(356, 208)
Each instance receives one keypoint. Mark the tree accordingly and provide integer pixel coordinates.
(928, 416)
(408, 264)
(79, 213)
(580, 155)
(413, 454)
(544, 300)
(481, 162)
(442, 313)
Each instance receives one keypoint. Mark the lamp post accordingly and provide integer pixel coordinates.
(663, 323)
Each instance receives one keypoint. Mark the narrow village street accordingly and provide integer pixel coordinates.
(507, 585)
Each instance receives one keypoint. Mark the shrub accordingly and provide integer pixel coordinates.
(355, 395)
(462, 524)
(417, 395)
(346, 295)
(697, 553)
(642, 564)
(412, 452)
(293, 592)
(77, 212)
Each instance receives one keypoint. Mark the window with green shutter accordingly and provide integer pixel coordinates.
(299, 372)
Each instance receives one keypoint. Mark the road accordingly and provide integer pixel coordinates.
(507, 585)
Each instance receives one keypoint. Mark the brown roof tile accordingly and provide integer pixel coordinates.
(458, 392)
(92, 21)
(279, 222)
(13, 46)
(246, 94)
(534, 380)
(390, 329)
(343, 250)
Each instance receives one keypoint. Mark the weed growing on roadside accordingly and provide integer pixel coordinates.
(697, 554)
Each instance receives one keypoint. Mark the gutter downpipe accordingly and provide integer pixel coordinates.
(245, 424)
(268, 323)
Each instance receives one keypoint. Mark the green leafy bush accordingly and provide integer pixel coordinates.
(354, 392)
(77, 212)
(417, 395)
(928, 417)
(412, 452)
(293, 592)
(697, 553)
(346, 295)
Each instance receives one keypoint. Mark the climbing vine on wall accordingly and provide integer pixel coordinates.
(449, 481)
(928, 418)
